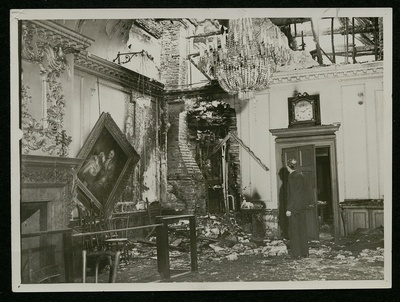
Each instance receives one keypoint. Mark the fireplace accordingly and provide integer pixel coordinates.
(48, 187)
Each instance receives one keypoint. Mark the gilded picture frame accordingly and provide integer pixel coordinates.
(108, 158)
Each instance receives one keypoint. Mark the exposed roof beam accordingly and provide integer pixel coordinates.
(204, 73)
(209, 34)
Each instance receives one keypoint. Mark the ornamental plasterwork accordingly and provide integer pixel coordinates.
(57, 34)
(47, 44)
(329, 72)
(47, 134)
(46, 48)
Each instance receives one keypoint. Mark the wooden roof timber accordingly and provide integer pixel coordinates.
(276, 21)
(233, 135)
(288, 21)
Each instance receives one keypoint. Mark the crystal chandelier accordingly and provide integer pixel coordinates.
(249, 55)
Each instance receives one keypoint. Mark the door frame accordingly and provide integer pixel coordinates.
(319, 136)
(311, 211)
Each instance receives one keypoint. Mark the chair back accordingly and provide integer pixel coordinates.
(119, 222)
(89, 222)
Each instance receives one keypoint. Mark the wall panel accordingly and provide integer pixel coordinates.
(355, 144)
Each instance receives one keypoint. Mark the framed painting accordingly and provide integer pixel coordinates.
(108, 157)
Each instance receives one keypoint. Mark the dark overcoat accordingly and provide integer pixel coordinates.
(297, 193)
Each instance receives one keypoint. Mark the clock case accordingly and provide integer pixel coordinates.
(316, 116)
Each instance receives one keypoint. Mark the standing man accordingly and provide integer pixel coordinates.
(297, 201)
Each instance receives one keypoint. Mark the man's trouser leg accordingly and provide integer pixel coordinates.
(294, 234)
(303, 234)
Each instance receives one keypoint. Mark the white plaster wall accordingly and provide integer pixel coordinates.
(150, 179)
(354, 143)
(92, 97)
(113, 101)
(359, 139)
(361, 142)
(254, 132)
(140, 40)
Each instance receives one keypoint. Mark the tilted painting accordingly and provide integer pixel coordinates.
(108, 157)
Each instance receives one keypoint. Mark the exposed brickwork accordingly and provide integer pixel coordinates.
(174, 52)
(187, 156)
(189, 187)
(184, 175)
(175, 166)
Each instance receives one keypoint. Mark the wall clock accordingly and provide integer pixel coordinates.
(304, 110)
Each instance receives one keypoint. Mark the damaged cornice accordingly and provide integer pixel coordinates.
(212, 88)
(118, 74)
(150, 26)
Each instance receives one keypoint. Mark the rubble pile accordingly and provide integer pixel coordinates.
(220, 238)
(362, 239)
(213, 226)
(364, 245)
(225, 249)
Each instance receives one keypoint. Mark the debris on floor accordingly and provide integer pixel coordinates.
(222, 242)
(219, 237)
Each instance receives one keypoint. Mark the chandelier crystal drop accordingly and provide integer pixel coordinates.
(249, 56)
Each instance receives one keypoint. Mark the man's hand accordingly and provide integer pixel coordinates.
(288, 213)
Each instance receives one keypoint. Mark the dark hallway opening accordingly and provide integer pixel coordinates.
(324, 192)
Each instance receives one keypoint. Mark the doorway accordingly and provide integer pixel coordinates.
(316, 147)
(324, 193)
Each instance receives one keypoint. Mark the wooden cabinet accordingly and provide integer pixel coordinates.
(359, 216)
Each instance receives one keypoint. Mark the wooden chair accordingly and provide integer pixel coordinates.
(118, 240)
(89, 222)
(48, 274)
(113, 259)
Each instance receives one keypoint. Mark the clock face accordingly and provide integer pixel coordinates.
(303, 111)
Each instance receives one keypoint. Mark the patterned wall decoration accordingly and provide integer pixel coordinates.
(47, 48)
(46, 134)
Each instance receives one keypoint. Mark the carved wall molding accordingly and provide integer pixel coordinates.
(56, 34)
(328, 72)
(46, 134)
(49, 172)
(47, 43)
(115, 73)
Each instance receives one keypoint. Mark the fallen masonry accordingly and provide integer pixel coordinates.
(220, 239)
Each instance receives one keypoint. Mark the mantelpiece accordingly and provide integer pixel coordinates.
(51, 179)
